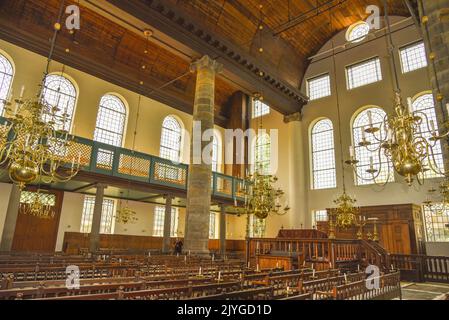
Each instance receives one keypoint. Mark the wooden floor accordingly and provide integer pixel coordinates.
(424, 291)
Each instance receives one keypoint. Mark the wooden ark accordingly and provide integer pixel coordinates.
(400, 227)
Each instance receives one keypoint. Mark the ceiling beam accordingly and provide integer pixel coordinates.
(239, 65)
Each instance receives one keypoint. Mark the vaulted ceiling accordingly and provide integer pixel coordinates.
(109, 44)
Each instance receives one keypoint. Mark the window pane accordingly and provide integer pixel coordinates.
(170, 139)
(364, 154)
(358, 32)
(256, 227)
(319, 215)
(413, 57)
(323, 155)
(110, 121)
(319, 87)
(60, 92)
(107, 215)
(436, 220)
(260, 108)
(158, 223)
(212, 221)
(364, 73)
(215, 154)
(425, 105)
(6, 74)
(263, 154)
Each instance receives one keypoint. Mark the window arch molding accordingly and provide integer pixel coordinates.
(357, 32)
(180, 123)
(125, 105)
(359, 120)
(327, 151)
(7, 73)
(70, 80)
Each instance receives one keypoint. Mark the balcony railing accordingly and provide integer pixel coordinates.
(97, 157)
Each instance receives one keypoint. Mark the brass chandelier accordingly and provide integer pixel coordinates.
(33, 146)
(34, 143)
(403, 137)
(262, 198)
(402, 142)
(124, 213)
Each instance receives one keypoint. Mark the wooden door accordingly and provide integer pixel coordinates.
(33, 234)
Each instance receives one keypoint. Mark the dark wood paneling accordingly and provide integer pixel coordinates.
(75, 241)
(38, 235)
(399, 226)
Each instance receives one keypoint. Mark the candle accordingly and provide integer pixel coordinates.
(22, 91)
(235, 202)
(432, 126)
(219, 275)
(371, 163)
(290, 247)
(189, 252)
(447, 108)
(358, 268)
(185, 258)
(392, 267)
(149, 253)
(249, 264)
(313, 273)
(351, 151)
(200, 271)
(410, 105)
(370, 118)
(257, 268)
(312, 266)
(346, 278)
(363, 133)
(213, 257)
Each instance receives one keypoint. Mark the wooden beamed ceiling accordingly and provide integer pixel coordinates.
(109, 51)
(227, 30)
(230, 30)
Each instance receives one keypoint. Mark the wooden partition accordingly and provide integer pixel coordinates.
(74, 242)
(400, 228)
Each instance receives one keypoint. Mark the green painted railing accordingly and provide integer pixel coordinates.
(97, 157)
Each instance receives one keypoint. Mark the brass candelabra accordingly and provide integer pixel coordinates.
(34, 145)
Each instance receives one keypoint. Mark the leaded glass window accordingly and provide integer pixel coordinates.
(323, 155)
(6, 75)
(425, 104)
(363, 73)
(368, 156)
(436, 219)
(107, 215)
(263, 153)
(110, 121)
(61, 93)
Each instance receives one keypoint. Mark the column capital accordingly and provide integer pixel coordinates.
(206, 62)
(293, 117)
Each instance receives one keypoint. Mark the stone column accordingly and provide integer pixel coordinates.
(167, 224)
(298, 188)
(434, 16)
(11, 219)
(96, 219)
(222, 230)
(199, 179)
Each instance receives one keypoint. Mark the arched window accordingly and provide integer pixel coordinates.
(323, 155)
(6, 74)
(363, 154)
(215, 153)
(170, 139)
(263, 153)
(111, 119)
(357, 32)
(425, 104)
(61, 93)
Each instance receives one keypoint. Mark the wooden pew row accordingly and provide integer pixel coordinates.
(264, 293)
(389, 288)
(174, 293)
